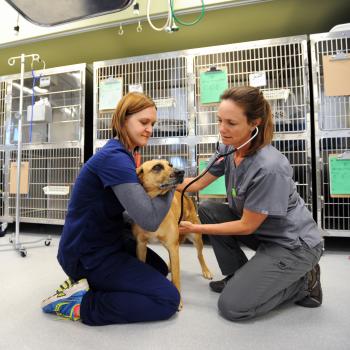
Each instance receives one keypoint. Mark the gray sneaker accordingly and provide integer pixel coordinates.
(314, 299)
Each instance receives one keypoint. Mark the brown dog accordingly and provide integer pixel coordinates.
(158, 177)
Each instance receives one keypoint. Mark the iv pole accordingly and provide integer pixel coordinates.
(17, 244)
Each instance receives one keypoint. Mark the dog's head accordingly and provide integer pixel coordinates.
(158, 176)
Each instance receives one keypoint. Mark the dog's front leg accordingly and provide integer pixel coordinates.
(141, 242)
(173, 250)
(141, 250)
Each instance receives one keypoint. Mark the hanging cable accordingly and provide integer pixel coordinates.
(16, 27)
(168, 21)
(186, 23)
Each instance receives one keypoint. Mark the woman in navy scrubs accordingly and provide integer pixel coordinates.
(264, 212)
(107, 284)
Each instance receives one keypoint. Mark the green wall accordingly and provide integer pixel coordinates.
(278, 18)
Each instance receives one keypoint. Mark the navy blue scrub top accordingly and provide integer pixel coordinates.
(94, 222)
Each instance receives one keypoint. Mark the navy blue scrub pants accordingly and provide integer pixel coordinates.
(125, 290)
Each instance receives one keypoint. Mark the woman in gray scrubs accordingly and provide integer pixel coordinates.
(264, 212)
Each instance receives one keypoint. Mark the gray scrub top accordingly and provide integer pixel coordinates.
(263, 183)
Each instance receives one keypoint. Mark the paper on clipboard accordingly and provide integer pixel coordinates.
(212, 83)
(336, 73)
(339, 173)
(24, 183)
(110, 92)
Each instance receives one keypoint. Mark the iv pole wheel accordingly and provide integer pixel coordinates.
(23, 252)
(3, 229)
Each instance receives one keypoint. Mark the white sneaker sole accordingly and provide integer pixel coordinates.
(76, 287)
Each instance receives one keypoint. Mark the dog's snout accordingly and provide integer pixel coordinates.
(179, 175)
(179, 172)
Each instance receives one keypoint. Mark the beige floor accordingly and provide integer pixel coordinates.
(25, 281)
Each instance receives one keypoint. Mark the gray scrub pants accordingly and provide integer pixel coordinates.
(271, 277)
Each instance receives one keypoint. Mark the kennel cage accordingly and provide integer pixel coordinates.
(162, 77)
(279, 67)
(186, 131)
(56, 123)
(330, 57)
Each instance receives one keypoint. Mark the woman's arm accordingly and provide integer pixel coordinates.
(145, 211)
(247, 225)
(203, 182)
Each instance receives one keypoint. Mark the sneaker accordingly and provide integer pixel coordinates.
(67, 299)
(60, 292)
(314, 299)
(218, 286)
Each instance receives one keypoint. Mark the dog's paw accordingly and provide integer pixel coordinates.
(207, 274)
(180, 306)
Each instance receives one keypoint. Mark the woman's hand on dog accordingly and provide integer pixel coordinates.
(186, 227)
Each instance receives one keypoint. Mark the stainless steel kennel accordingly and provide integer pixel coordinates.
(186, 130)
(53, 141)
(330, 53)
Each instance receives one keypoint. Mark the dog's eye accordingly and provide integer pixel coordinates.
(170, 165)
(157, 168)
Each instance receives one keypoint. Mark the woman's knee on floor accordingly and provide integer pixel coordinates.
(103, 308)
(235, 309)
(172, 302)
(165, 299)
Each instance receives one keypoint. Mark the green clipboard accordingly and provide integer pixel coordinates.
(216, 188)
(110, 92)
(212, 83)
(339, 175)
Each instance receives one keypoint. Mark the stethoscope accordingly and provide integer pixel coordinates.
(218, 155)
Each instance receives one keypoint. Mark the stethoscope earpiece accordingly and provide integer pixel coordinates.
(234, 149)
(218, 155)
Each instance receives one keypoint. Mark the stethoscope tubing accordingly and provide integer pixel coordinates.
(218, 155)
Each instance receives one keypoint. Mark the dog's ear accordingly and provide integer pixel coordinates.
(139, 172)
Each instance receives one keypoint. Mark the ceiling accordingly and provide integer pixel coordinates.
(29, 32)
